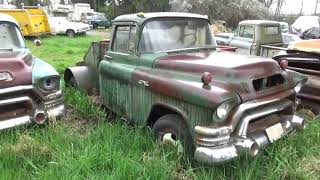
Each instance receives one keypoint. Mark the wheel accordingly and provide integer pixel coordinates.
(70, 33)
(72, 82)
(171, 130)
(310, 105)
(95, 26)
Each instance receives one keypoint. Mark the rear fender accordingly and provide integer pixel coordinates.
(86, 78)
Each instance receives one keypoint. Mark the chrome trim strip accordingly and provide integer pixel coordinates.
(15, 89)
(264, 111)
(10, 123)
(17, 100)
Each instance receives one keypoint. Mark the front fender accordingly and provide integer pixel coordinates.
(42, 69)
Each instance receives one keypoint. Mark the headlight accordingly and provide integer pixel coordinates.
(50, 84)
(298, 87)
(223, 111)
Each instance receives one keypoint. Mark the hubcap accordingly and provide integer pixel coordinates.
(171, 139)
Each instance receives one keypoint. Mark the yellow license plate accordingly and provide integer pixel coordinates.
(274, 132)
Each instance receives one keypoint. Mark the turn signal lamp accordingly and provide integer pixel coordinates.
(206, 78)
(284, 64)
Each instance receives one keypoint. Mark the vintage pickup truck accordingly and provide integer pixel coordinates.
(304, 57)
(255, 37)
(29, 87)
(163, 70)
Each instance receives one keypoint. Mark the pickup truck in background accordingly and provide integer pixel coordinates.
(255, 37)
(304, 57)
(164, 70)
(98, 20)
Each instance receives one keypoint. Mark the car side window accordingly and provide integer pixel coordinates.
(123, 41)
(246, 31)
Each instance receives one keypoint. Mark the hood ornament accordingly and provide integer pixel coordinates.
(6, 76)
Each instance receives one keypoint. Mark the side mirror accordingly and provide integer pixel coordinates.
(37, 42)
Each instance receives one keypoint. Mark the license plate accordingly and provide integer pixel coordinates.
(274, 132)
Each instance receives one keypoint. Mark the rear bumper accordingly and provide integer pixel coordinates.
(248, 129)
(23, 105)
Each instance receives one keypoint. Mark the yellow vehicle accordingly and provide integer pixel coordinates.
(33, 20)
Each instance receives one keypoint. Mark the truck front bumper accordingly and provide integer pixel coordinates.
(253, 126)
(23, 105)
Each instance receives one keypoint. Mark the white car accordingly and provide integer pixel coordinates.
(61, 25)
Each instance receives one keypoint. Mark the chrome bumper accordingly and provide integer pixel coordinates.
(50, 109)
(240, 145)
(220, 144)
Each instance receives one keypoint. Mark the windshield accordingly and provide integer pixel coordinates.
(175, 34)
(10, 36)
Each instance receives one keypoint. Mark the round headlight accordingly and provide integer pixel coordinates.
(50, 84)
(223, 111)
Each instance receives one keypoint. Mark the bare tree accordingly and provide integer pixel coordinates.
(301, 10)
(267, 3)
(315, 9)
(278, 8)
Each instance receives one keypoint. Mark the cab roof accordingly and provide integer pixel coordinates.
(260, 23)
(8, 18)
(140, 18)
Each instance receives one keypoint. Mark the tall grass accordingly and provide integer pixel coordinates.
(91, 143)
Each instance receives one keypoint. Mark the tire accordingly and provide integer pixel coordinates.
(71, 33)
(72, 82)
(174, 125)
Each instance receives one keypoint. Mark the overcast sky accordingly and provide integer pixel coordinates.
(294, 6)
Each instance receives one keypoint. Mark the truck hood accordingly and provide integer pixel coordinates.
(235, 71)
(19, 65)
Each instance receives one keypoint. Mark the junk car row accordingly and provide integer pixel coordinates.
(166, 71)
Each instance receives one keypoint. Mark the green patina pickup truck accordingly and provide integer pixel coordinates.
(255, 37)
(163, 70)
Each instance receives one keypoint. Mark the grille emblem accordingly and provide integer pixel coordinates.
(5, 76)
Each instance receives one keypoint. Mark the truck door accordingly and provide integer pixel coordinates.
(243, 39)
(115, 71)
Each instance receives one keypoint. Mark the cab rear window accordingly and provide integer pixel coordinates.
(271, 30)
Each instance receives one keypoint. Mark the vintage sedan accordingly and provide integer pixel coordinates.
(29, 87)
(164, 70)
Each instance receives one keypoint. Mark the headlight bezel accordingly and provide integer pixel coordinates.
(223, 110)
(48, 85)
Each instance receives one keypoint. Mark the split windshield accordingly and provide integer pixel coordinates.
(10, 36)
(175, 34)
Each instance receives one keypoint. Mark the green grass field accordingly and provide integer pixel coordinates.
(92, 144)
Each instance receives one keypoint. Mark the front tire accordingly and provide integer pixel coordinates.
(170, 129)
(71, 33)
